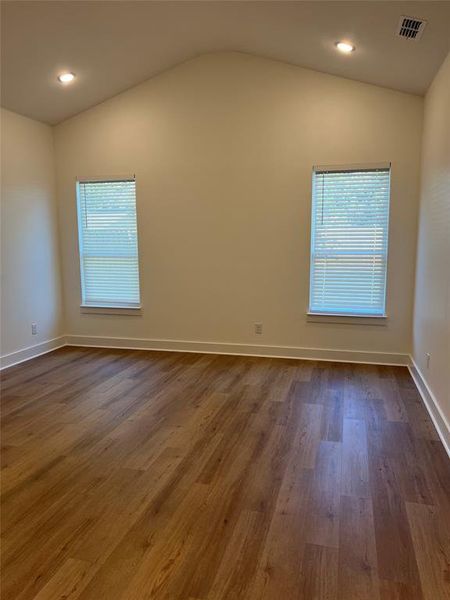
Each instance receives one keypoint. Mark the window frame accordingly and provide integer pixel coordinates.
(106, 308)
(350, 318)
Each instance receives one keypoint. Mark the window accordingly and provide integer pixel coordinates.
(108, 243)
(349, 241)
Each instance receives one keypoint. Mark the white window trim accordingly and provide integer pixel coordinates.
(348, 318)
(91, 309)
(111, 309)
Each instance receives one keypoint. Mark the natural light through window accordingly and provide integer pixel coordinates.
(108, 245)
(349, 241)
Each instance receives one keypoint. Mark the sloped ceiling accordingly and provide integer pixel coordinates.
(112, 46)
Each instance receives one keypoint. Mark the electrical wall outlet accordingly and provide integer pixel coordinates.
(33, 328)
(258, 328)
(428, 358)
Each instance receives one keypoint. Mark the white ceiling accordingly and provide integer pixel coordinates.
(113, 45)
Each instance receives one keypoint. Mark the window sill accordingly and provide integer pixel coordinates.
(132, 311)
(346, 319)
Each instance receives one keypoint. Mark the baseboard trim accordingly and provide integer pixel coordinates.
(380, 358)
(431, 404)
(20, 356)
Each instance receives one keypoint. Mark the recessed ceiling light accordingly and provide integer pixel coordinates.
(66, 77)
(345, 47)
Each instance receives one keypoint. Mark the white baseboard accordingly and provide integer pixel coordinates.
(382, 358)
(432, 405)
(14, 358)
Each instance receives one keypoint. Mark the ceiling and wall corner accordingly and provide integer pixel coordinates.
(112, 46)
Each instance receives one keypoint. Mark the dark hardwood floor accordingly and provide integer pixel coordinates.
(133, 475)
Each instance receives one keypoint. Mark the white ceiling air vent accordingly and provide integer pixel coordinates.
(410, 28)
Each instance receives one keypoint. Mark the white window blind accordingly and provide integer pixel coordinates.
(349, 241)
(108, 243)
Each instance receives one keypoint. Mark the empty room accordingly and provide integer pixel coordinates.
(225, 300)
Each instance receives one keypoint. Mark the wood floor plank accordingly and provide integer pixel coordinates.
(358, 568)
(308, 435)
(399, 590)
(432, 547)
(333, 416)
(69, 581)
(279, 570)
(418, 416)
(322, 528)
(320, 573)
(130, 474)
(393, 403)
(355, 468)
(395, 551)
(242, 553)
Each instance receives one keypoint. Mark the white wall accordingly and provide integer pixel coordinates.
(222, 148)
(432, 299)
(31, 285)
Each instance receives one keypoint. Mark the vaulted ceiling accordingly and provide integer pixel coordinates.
(113, 45)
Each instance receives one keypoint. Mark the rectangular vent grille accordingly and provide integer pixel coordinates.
(410, 28)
